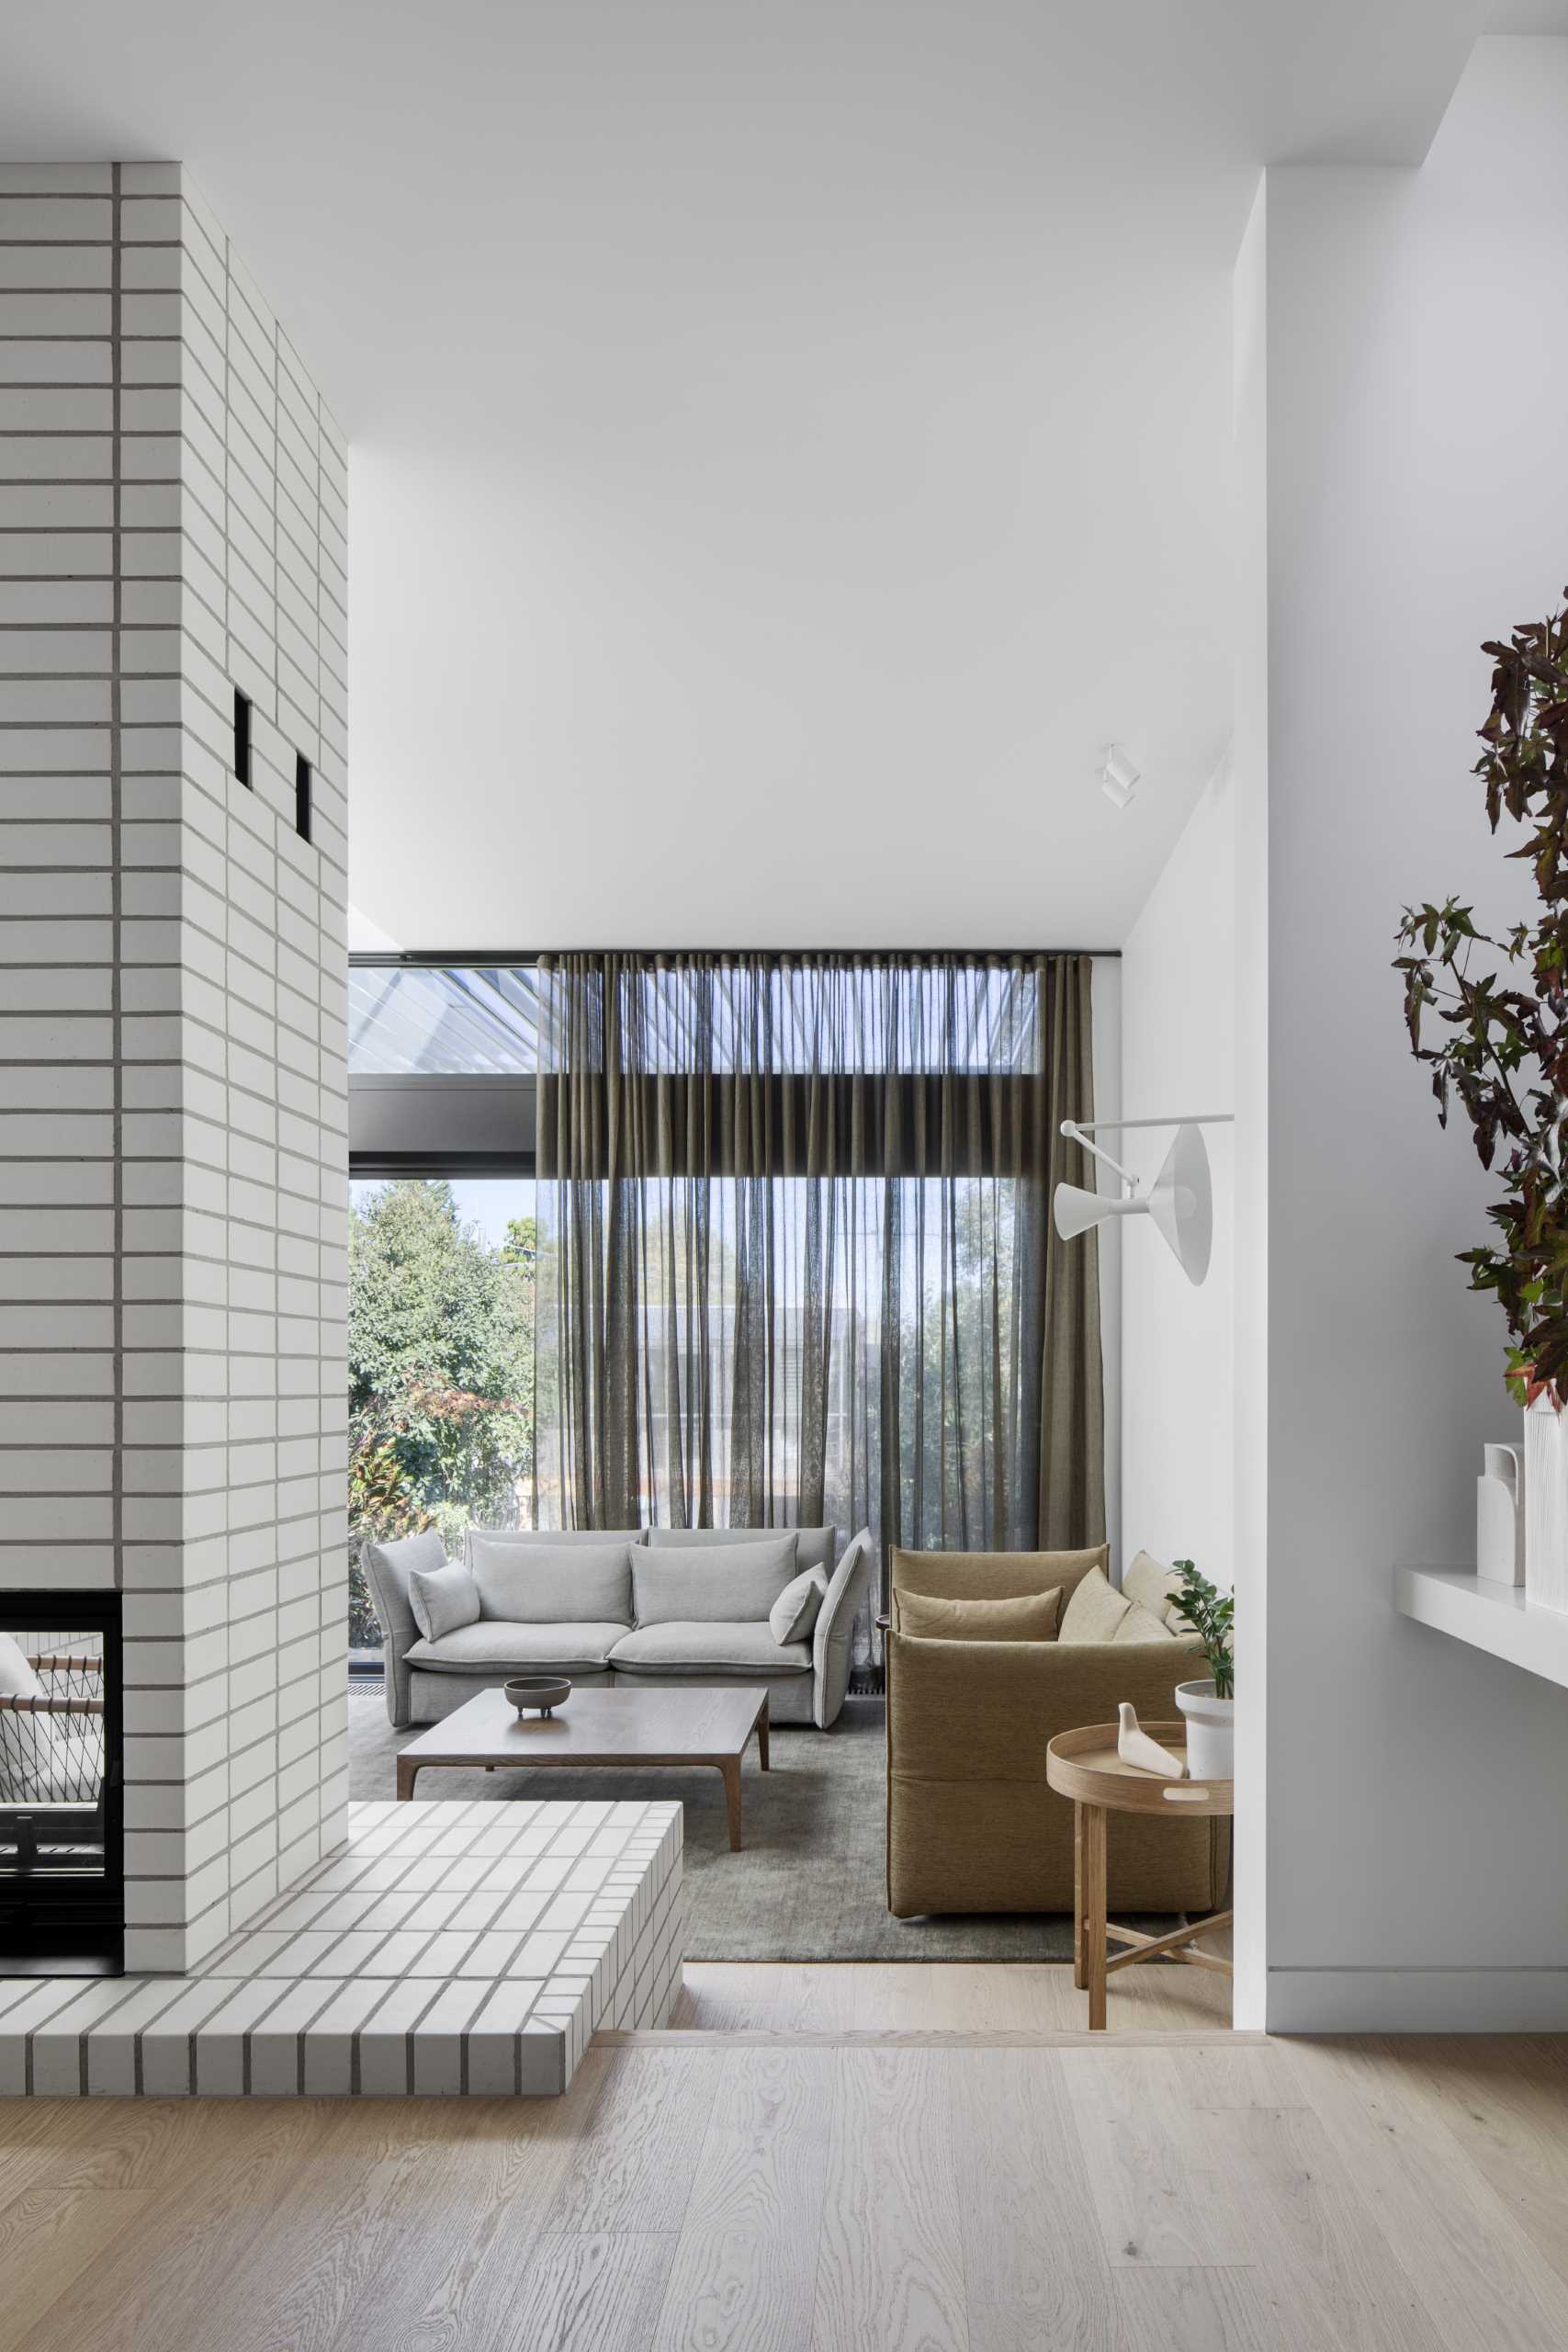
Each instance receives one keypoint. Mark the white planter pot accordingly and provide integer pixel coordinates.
(1546, 1505)
(1210, 1732)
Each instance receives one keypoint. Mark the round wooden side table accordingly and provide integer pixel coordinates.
(1084, 1765)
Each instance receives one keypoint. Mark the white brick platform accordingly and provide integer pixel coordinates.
(445, 1948)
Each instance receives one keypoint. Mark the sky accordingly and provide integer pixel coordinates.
(487, 1202)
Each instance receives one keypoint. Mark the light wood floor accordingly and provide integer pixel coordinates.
(940, 1997)
(778, 2194)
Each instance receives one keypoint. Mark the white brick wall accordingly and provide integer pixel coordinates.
(172, 1124)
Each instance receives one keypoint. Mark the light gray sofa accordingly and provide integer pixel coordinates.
(806, 1680)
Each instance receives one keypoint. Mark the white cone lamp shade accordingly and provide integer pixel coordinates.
(1181, 1202)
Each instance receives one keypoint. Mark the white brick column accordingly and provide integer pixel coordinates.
(172, 968)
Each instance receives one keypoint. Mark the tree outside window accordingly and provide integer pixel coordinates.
(441, 1372)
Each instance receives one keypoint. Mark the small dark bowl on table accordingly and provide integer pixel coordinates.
(540, 1694)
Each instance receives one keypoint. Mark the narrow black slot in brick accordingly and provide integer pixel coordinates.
(243, 737)
(304, 777)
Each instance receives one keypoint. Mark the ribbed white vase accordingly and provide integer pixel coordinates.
(1546, 1505)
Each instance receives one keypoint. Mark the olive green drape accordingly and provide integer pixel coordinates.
(797, 1260)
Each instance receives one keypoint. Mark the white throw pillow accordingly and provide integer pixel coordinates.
(795, 1612)
(443, 1600)
(554, 1583)
(718, 1583)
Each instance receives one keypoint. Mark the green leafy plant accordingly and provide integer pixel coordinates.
(1501, 1002)
(1210, 1613)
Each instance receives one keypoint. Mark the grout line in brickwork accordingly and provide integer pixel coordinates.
(117, 1471)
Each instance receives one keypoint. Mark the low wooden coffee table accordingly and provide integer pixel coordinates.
(625, 1724)
(1084, 1765)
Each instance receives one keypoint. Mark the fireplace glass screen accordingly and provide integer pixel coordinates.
(60, 1880)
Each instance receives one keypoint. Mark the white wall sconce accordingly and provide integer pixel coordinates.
(1179, 1202)
(1118, 776)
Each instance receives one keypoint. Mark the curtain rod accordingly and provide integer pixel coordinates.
(483, 959)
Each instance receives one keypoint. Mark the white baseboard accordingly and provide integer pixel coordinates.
(1417, 2000)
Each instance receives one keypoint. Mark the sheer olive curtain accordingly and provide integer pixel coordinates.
(796, 1257)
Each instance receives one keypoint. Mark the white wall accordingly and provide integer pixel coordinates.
(173, 1141)
(1249, 1244)
(1106, 1011)
(1179, 990)
(1416, 353)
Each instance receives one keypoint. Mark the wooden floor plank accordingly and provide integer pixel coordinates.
(1505, 2100)
(1324, 2254)
(716, 1994)
(631, 2170)
(763, 2167)
(590, 2291)
(728, 2292)
(949, 1995)
(917, 2038)
(1035, 2270)
(890, 2269)
(1160, 2185)
(811, 1999)
(1234, 2070)
(1189, 2308)
(210, 2199)
(1479, 2277)
(48, 2236)
(456, 2245)
(745, 2269)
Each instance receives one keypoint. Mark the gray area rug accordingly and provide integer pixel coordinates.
(809, 1883)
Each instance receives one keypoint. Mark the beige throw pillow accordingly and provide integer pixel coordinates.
(1095, 1610)
(1148, 1580)
(1030, 1618)
(1140, 1625)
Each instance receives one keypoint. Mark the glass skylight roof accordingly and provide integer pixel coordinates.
(414, 1021)
(462, 1021)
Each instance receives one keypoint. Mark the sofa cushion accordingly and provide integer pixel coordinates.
(557, 1536)
(494, 1647)
(1140, 1625)
(706, 1646)
(545, 1584)
(729, 1582)
(443, 1598)
(1151, 1583)
(794, 1614)
(1030, 1618)
(991, 1575)
(815, 1547)
(1094, 1611)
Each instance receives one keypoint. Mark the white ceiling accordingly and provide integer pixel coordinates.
(790, 438)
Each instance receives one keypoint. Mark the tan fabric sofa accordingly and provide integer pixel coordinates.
(972, 1824)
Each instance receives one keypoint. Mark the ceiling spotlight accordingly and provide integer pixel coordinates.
(1118, 776)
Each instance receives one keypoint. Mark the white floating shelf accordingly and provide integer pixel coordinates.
(1495, 1617)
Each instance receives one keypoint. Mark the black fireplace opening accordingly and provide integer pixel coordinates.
(61, 1785)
